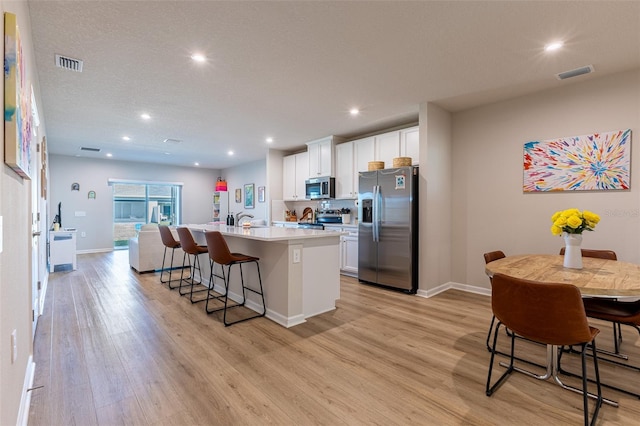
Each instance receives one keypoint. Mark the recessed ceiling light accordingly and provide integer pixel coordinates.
(553, 46)
(269, 140)
(230, 153)
(196, 164)
(145, 116)
(198, 57)
(109, 154)
(126, 138)
(354, 111)
(167, 153)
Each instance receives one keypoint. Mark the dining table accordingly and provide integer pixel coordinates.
(597, 278)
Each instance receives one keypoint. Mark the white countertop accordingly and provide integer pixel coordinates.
(265, 233)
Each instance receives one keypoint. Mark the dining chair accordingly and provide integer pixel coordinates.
(190, 248)
(598, 308)
(549, 313)
(220, 254)
(490, 257)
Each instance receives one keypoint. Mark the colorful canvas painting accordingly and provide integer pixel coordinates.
(17, 102)
(597, 162)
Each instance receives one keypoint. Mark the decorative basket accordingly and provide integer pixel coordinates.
(401, 161)
(376, 165)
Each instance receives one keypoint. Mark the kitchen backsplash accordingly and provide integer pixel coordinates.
(278, 207)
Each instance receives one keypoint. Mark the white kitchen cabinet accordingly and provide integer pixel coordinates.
(295, 172)
(346, 176)
(321, 156)
(363, 152)
(349, 254)
(410, 144)
(387, 146)
(348, 249)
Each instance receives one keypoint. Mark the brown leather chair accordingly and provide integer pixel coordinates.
(169, 243)
(190, 248)
(490, 257)
(600, 308)
(551, 314)
(598, 254)
(219, 253)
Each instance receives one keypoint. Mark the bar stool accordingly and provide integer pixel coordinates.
(219, 253)
(190, 248)
(169, 243)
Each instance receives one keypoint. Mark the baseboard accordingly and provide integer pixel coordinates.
(456, 286)
(89, 251)
(25, 399)
(286, 322)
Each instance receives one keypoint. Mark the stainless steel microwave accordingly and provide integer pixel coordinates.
(320, 188)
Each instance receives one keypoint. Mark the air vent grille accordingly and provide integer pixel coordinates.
(169, 140)
(84, 148)
(576, 72)
(69, 63)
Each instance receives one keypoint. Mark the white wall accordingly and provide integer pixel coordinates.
(93, 174)
(15, 259)
(490, 210)
(237, 177)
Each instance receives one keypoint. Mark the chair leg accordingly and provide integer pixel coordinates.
(493, 319)
(489, 388)
(585, 391)
(162, 268)
(191, 292)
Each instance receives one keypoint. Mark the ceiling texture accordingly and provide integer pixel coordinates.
(293, 70)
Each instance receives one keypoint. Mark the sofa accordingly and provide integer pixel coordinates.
(146, 250)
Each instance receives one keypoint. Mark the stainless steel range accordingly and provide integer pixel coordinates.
(329, 216)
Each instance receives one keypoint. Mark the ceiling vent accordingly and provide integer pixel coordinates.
(84, 148)
(169, 140)
(69, 63)
(576, 72)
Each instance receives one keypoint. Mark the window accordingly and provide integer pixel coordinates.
(137, 203)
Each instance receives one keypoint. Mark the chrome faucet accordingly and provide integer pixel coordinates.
(241, 216)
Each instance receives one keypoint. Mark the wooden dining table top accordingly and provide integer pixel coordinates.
(598, 277)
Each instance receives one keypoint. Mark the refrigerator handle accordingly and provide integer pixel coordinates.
(376, 213)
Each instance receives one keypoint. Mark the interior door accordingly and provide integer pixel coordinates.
(36, 231)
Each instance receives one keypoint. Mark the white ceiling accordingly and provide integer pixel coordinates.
(292, 70)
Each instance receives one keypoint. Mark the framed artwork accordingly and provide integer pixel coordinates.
(249, 201)
(238, 195)
(596, 162)
(261, 194)
(17, 102)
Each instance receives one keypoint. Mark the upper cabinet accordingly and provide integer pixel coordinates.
(410, 144)
(346, 174)
(295, 172)
(399, 143)
(321, 156)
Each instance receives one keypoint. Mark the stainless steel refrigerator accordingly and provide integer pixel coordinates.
(388, 228)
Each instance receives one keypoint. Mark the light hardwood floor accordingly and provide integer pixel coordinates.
(114, 347)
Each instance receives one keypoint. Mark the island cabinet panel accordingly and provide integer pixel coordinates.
(300, 269)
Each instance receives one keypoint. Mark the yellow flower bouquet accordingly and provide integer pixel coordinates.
(573, 221)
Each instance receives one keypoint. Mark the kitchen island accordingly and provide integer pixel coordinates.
(300, 269)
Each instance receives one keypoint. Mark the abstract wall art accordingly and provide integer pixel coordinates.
(17, 102)
(596, 162)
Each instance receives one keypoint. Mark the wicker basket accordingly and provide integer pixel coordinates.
(401, 161)
(376, 165)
